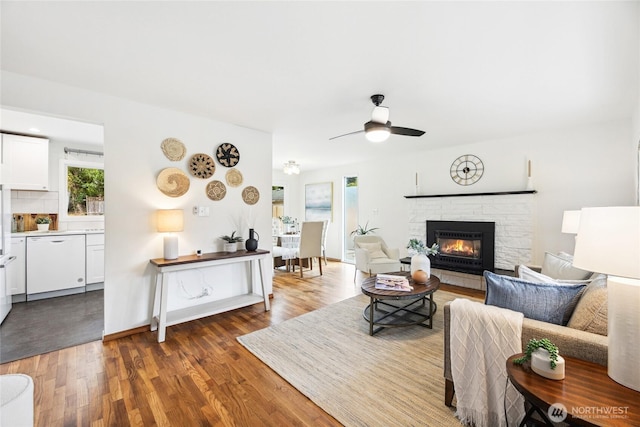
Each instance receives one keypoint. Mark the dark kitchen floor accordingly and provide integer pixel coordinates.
(38, 327)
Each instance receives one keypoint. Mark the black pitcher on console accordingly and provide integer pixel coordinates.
(252, 243)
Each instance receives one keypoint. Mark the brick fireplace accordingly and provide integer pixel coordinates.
(513, 215)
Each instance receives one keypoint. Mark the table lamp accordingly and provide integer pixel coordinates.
(608, 242)
(170, 221)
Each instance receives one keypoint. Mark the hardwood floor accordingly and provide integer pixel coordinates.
(199, 376)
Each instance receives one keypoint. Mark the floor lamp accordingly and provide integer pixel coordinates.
(608, 242)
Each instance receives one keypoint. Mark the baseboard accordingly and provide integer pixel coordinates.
(126, 333)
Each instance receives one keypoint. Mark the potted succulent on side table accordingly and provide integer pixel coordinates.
(545, 360)
(420, 262)
(43, 223)
(232, 241)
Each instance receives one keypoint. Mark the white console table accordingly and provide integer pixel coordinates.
(161, 318)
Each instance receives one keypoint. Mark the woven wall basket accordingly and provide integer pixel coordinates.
(173, 182)
(173, 149)
(250, 195)
(234, 178)
(216, 190)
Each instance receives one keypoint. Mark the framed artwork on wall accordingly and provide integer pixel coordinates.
(318, 202)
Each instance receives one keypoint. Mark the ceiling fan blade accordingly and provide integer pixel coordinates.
(406, 131)
(346, 134)
(380, 114)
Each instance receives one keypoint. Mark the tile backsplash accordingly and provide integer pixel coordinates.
(34, 201)
(40, 203)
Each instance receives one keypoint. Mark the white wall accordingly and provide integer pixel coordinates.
(133, 159)
(571, 168)
(635, 133)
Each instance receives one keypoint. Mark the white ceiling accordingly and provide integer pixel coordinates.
(461, 71)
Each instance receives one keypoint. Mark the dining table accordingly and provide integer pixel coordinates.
(289, 244)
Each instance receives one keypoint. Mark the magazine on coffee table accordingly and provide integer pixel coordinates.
(392, 282)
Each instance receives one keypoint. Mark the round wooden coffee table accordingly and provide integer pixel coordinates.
(413, 310)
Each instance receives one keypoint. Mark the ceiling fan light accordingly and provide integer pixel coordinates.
(291, 168)
(377, 132)
(378, 135)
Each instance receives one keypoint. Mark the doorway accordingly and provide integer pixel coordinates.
(350, 216)
(79, 317)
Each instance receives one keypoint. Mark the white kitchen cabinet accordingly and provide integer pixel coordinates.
(16, 270)
(95, 258)
(25, 162)
(55, 266)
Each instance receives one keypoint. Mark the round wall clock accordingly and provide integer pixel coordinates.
(467, 169)
(228, 155)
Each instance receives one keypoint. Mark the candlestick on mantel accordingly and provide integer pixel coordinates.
(417, 187)
(529, 179)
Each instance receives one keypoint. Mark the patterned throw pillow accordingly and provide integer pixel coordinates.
(591, 311)
(547, 302)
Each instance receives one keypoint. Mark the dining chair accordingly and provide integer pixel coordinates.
(310, 244)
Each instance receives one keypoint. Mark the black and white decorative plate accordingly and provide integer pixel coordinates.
(227, 155)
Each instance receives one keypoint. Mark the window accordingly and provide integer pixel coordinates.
(81, 192)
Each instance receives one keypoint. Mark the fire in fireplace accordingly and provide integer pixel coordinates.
(465, 246)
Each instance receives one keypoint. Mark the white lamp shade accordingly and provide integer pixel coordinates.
(170, 220)
(570, 222)
(608, 241)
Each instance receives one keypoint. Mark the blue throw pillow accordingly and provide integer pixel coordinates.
(548, 302)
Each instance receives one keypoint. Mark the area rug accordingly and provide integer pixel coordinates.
(393, 378)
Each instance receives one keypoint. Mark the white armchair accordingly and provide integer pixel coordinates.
(374, 256)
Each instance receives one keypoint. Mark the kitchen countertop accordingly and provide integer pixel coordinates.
(57, 232)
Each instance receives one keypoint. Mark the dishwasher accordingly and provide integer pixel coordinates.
(55, 266)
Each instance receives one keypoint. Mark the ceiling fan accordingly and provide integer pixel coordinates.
(379, 127)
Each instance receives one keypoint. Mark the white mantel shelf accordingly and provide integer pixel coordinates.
(498, 193)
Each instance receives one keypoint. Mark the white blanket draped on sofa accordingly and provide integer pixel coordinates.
(482, 339)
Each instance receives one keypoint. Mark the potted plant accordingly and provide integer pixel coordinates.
(545, 359)
(361, 231)
(420, 262)
(43, 223)
(289, 224)
(232, 241)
